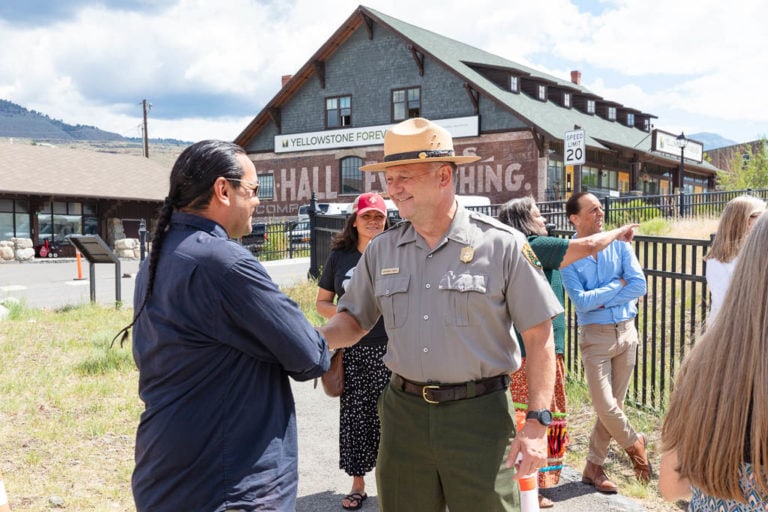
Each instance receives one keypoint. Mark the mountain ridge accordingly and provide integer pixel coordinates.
(17, 121)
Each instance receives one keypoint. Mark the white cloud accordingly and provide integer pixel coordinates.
(209, 66)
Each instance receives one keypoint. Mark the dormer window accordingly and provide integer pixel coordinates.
(542, 92)
(611, 113)
(567, 100)
(514, 83)
(590, 106)
(630, 119)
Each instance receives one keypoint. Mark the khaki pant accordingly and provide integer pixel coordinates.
(450, 454)
(608, 353)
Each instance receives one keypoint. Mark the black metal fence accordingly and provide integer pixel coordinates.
(623, 209)
(671, 315)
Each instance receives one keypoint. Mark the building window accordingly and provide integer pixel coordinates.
(406, 103)
(542, 94)
(266, 186)
(338, 112)
(630, 119)
(590, 106)
(555, 176)
(351, 175)
(589, 177)
(57, 219)
(14, 219)
(611, 113)
(567, 99)
(514, 84)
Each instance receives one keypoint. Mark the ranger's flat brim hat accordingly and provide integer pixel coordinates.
(415, 141)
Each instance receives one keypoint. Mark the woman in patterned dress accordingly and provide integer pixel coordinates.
(715, 433)
(554, 253)
(364, 372)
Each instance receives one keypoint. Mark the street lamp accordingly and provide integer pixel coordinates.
(681, 143)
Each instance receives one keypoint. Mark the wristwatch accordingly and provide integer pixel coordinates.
(543, 416)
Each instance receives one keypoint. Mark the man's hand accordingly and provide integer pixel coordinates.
(530, 444)
(626, 232)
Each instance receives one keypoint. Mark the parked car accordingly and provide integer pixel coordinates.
(300, 233)
(255, 241)
(324, 209)
(304, 210)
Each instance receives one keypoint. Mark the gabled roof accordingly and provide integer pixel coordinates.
(47, 170)
(543, 117)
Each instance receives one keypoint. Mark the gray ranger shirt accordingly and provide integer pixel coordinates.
(449, 311)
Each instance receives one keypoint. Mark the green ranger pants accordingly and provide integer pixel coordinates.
(453, 453)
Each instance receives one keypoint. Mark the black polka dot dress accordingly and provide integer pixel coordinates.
(364, 379)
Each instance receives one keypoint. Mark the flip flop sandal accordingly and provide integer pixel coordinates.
(356, 500)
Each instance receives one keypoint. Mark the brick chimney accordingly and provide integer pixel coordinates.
(576, 77)
(285, 79)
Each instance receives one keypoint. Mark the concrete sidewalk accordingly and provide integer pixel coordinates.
(322, 484)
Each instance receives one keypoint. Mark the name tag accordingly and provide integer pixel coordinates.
(389, 271)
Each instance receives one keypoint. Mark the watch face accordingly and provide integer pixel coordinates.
(543, 416)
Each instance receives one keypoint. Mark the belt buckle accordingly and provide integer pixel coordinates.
(424, 394)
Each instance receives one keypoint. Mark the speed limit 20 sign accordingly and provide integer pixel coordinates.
(574, 149)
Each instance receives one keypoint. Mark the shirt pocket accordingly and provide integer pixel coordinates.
(393, 300)
(462, 292)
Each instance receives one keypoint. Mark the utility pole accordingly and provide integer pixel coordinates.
(146, 136)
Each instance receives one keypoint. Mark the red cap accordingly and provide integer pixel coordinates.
(369, 201)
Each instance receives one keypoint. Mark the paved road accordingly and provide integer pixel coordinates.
(53, 283)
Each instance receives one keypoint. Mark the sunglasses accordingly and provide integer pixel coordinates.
(252, 187)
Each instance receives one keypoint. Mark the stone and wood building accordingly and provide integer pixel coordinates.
(329, 118)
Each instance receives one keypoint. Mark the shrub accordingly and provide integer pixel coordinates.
(635, 210)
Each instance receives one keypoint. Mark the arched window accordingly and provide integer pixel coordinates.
(351, 176)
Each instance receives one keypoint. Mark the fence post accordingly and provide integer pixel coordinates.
(682, 203)
(606, 210)
(314, 269)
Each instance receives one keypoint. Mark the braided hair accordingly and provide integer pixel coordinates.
(191, 188)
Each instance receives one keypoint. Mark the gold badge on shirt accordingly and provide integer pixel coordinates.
(531, 256)
(466, 254)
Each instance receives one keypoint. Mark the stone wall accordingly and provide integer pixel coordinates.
(21, 249)
(16, 249)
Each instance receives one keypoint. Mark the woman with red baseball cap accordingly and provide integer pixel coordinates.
(365, 375)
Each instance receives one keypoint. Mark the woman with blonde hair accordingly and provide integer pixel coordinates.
(735, 222)
(715, 434)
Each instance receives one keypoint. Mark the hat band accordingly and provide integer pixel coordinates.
(421, 155)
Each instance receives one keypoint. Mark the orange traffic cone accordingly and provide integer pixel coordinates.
(79, 272)
(4, 506)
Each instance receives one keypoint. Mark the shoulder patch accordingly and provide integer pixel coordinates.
(531, 256)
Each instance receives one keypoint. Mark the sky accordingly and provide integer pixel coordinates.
(207, 67)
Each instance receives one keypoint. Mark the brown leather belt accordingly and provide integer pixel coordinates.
(439, 393)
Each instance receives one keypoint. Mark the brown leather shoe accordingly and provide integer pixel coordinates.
(639, 458)
(595, 475)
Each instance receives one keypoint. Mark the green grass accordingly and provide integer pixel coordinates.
(70, 409)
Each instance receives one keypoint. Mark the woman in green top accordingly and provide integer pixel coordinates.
(554, 253)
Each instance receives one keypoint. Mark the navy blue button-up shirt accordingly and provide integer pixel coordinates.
(215, 346)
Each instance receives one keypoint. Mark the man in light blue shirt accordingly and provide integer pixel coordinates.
(604, 289)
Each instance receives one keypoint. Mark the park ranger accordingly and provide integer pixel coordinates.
(450, 284)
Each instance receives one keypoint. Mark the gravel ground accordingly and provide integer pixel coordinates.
(322, 484)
